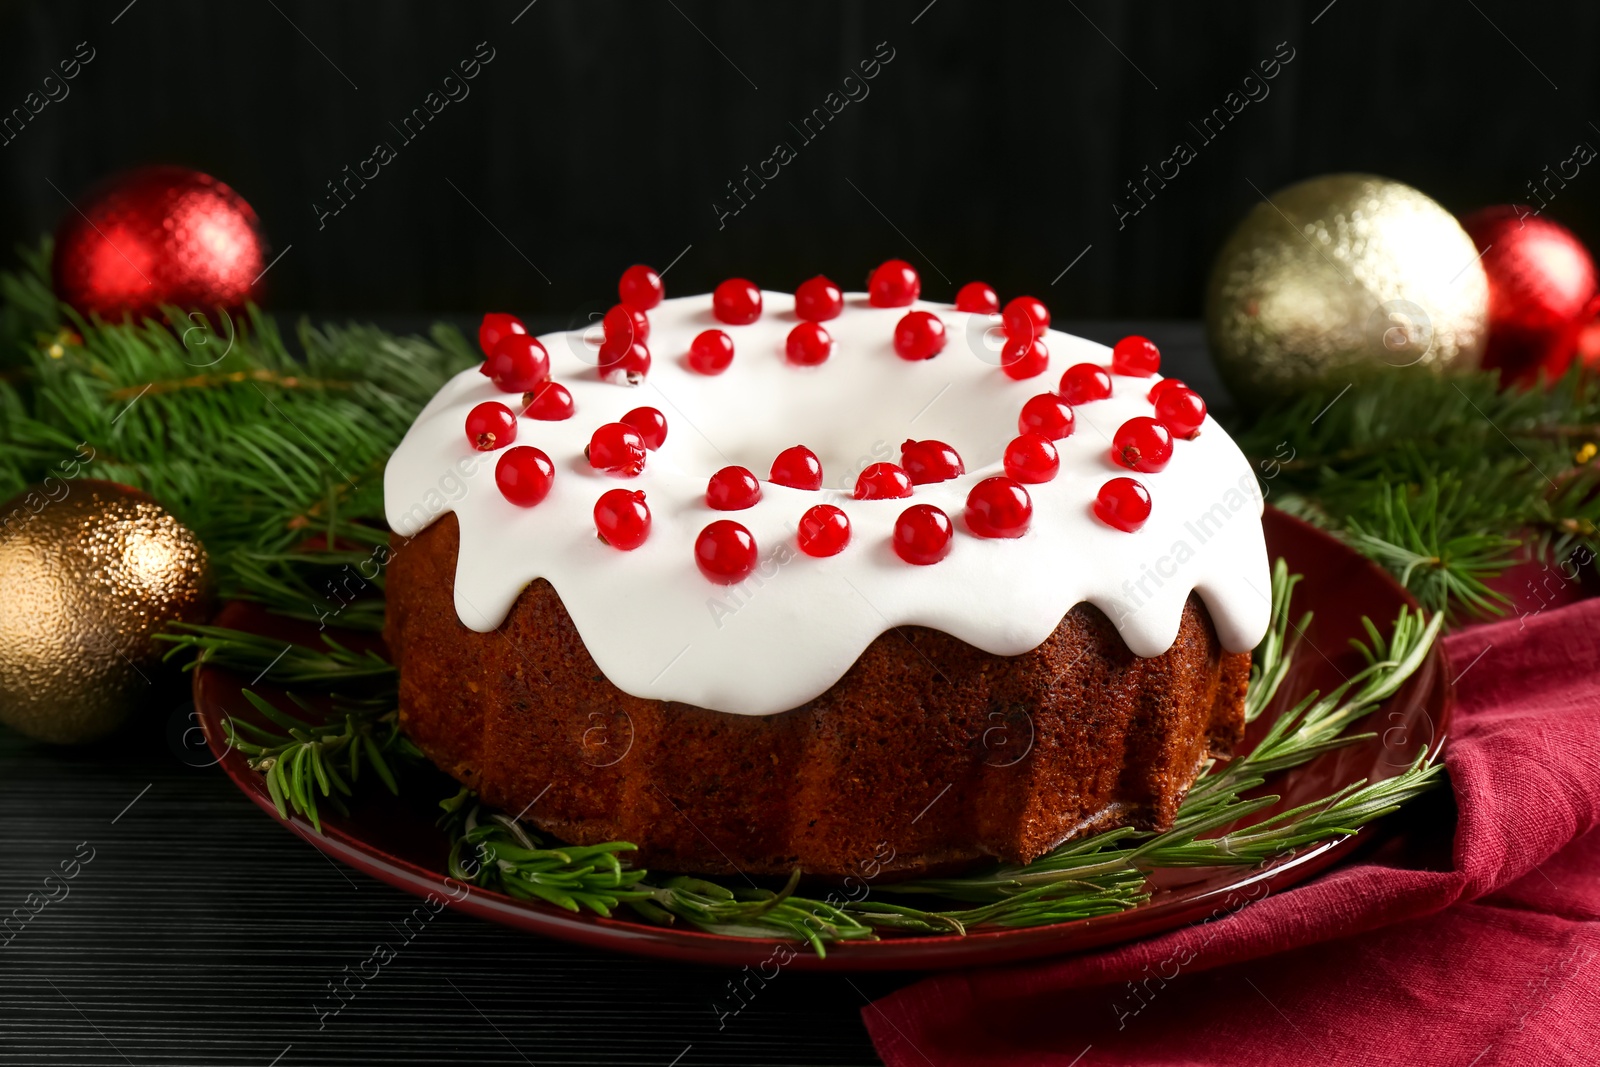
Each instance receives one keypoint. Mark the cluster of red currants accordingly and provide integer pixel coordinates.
(998, 507)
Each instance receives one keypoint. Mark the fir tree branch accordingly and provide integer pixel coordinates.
(273, 660)
(1445, 480)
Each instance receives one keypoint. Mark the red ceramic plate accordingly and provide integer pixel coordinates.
(396, 841)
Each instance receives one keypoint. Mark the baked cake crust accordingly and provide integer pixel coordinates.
(926, 756)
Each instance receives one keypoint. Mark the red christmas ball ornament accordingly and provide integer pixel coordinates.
(1541, 281)
(159, 235)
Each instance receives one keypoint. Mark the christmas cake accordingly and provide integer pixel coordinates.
(762, 581)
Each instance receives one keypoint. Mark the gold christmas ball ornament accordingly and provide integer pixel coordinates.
(1340, 277)
(89, 572)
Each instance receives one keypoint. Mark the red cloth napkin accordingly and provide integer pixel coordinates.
(1488, 954)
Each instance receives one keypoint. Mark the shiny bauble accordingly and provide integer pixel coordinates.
(89, 572)
(1541, 281)
(157, 236)
(1342, 277)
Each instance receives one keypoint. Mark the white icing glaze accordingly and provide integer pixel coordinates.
(659, 629)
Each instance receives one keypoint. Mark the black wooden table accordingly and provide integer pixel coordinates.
(202, 932)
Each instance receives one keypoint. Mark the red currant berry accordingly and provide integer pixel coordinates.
(518, 363)
(623, 325)
(797, 468)
(1136, 357)
(624, 366)
(824, 531)
(548, 402)
(1181, 410)
(809, 344)
(622, 518)
(651, 424)
(883, 481)
(711, 352)
(930, 461)
(640, 288)
(1023, 358)
(999, 507)
(919, 335)
(1084, 382)
(818, 300)
(1025, 317)
(491, 425)
(1032, 458)
(732, 489)
(922, 535)
(979, 298)
(1122, 503)
(616, 448)
(893, 284)
(497, 326)
(736, 302)
(1162, 386)
(725, 552)
(524, 475)
(1048, 416)
(1142, 444)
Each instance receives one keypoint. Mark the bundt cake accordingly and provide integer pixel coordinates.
(762, 581)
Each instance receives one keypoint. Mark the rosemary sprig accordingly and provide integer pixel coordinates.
(496, 851)
(306, 759)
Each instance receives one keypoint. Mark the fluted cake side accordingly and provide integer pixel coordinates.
(926, 756)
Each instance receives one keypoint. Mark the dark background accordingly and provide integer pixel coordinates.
(992, 146)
